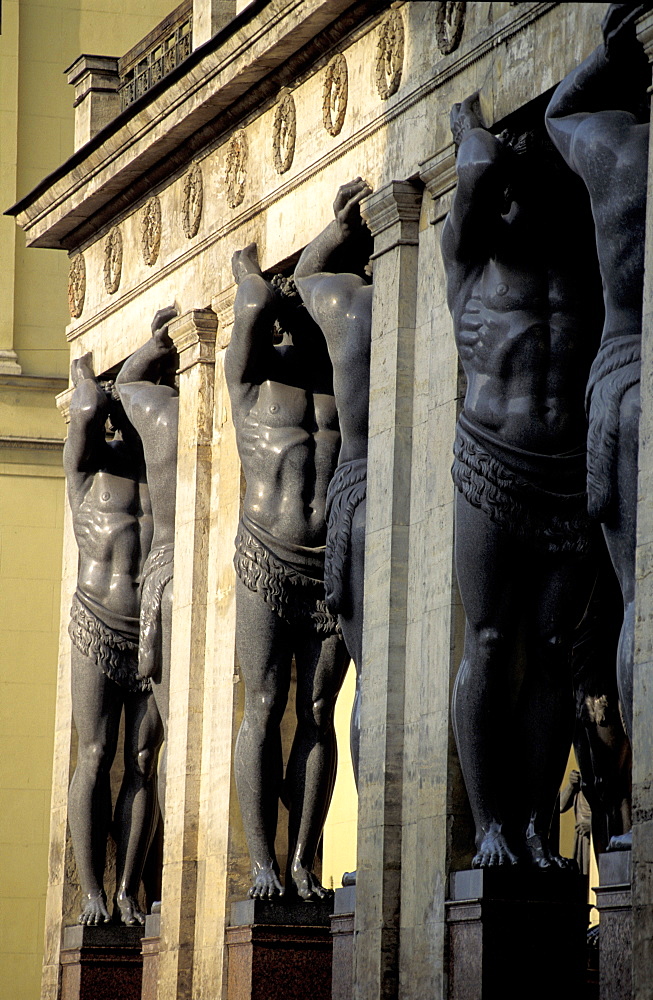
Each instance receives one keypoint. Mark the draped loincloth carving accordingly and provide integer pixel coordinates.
(290, 578)
(540, 498)
(347, 490)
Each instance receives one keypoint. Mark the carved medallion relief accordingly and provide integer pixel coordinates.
(236, 168)
(449, 24)
(390, 55)
(193, 201)
(77, 285)
(151, 231)
(334, 95)
(284, 130)
(113, 260)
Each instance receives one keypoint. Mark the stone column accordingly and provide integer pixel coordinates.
(392, 214)
(209, 16)
(97, 101)
(59, 892)
(642, 860)
(223, 865)
(432, 785)
(194, 336)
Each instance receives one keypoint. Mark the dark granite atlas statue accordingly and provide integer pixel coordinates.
(288, 440)
(146, 388)
(521, 290)
(341, 305)
(112, 522)
(598, 120)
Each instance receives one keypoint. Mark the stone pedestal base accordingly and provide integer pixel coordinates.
(516, 933)
(150, 950)
(342, 932)
(101, 963)
(613, 901)
(279, 951)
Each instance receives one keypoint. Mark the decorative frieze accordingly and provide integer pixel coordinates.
(334, 95)
(236, 168)
(284, 131)
(77, 285)
(449, 24)
(193, 201)
(151, 231)
(113, 260)
(390, 54)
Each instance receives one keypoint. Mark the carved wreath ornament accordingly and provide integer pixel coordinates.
(151, 231)
(284, 130)
(449, 24)
(113, 260)
(193, 200)
(334, 95)
(236, 168)
(390, 55)
(77, 285)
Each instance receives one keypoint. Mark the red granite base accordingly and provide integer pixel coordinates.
(101, 963)
(279, 961)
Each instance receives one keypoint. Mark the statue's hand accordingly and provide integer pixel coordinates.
(465, 117)
(346, 207)
(618, 27)
(82, 368)
(160, 325)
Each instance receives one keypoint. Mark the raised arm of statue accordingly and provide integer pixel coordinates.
(249, 356)
(144, 365)
(322, 291)
(483, 176)
(89, 409)
(613, 78)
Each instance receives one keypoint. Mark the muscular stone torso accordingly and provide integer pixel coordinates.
(113, 527)
(288, 443)
(526, 345)
(619, 146)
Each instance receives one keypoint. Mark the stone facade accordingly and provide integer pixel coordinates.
(248, 141)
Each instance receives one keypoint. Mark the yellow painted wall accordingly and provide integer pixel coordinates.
(339, 850)
(39, 39)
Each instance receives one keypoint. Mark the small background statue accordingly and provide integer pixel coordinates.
(112, 522)
(330, 279)
(151, 401)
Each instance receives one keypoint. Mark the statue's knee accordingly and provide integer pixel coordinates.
(264, 708)
(490, 642)
(94, 757)
(145, 762)
(322, 711)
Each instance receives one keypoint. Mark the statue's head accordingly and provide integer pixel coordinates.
(534, 169)
(290, 308)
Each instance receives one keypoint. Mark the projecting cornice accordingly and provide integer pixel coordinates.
(244, 65)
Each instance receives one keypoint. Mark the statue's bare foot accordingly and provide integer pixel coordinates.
(266, 883)
(95, 910)
(493, 851)
(307, 885)
(245, 262)
(128, 910)
(349, 878)
(540, 854)
(82, 368)
(624, 842)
